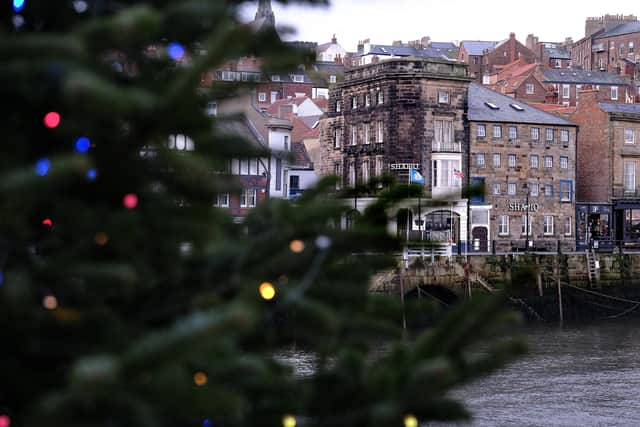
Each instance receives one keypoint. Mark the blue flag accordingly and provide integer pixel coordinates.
(415, 177)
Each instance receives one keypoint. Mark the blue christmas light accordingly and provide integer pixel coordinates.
(175, 51)
(83, 144)
(207, 423)
(1, 279)
(18, 5)
(42, 167)
(92, 174)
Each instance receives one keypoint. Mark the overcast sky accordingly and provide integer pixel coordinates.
(384, 21)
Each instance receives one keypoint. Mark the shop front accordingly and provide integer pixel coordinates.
(627, 219)
(594, 227)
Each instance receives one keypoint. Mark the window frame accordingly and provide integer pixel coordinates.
(530, 89)
(513, 133)
(525, 229)
(535, 134)
(481, 130)
(480, 164)
(225, 197)
(512, 161)
(614, 90)
(549, 135)
(564, 136)
(512, 189)
(629, 177)
(568, 226)
(630, 131)
(535, 189)
(496, 132)
(380, 132)
(247, 200)
(503, 225)
(566, 187)
(564, 162)
(498, 157)
(547, 228)
(548, 162)
(443, 97)
(537, 161)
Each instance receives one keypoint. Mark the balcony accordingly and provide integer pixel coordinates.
(621, 193)
(447, 147)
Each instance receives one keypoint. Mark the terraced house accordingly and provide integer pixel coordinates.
(523, 162)
(609, 166)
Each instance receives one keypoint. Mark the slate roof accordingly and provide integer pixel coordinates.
(328, 67)
(557, 53)
(611, 107)
(477, 47)
(387, 50)
(443, 45)
(479, 111)
(584, 77)
(630, 27)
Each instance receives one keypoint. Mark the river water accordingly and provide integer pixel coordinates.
(587, 375)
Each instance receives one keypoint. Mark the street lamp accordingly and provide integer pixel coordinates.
(525, 189)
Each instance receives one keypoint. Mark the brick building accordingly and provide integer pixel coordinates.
(519, 80)
(608, 163)
(485, 58)
(401, 113)
(524, 161)
(551, 55)
(564, 86)
(607, 40)
(471, 53)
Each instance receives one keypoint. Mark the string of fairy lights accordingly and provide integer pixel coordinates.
(83, 145)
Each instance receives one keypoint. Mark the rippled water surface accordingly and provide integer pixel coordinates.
(585, 375)
(575, 376)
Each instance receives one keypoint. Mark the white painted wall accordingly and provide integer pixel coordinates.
(309, 108)
(331, 52)
(319, 92)
(276, 144)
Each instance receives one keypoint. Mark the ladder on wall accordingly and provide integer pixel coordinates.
(593, 267)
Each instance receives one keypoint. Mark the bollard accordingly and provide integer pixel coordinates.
(559, 247)
(493, 247)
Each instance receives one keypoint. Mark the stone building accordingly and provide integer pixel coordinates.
(387, 117)
(523, 166)
(608, 164)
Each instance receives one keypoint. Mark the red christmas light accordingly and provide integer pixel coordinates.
(130, 201)
(52, 120)
(48, 222)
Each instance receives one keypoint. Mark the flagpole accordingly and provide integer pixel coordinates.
(408, 209)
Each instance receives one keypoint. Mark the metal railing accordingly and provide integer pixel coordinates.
(622, 193)
(447, 147)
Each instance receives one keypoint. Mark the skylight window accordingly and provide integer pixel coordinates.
(492, 105)
(517, 107)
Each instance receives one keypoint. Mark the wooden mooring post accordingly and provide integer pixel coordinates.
(559, 291)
